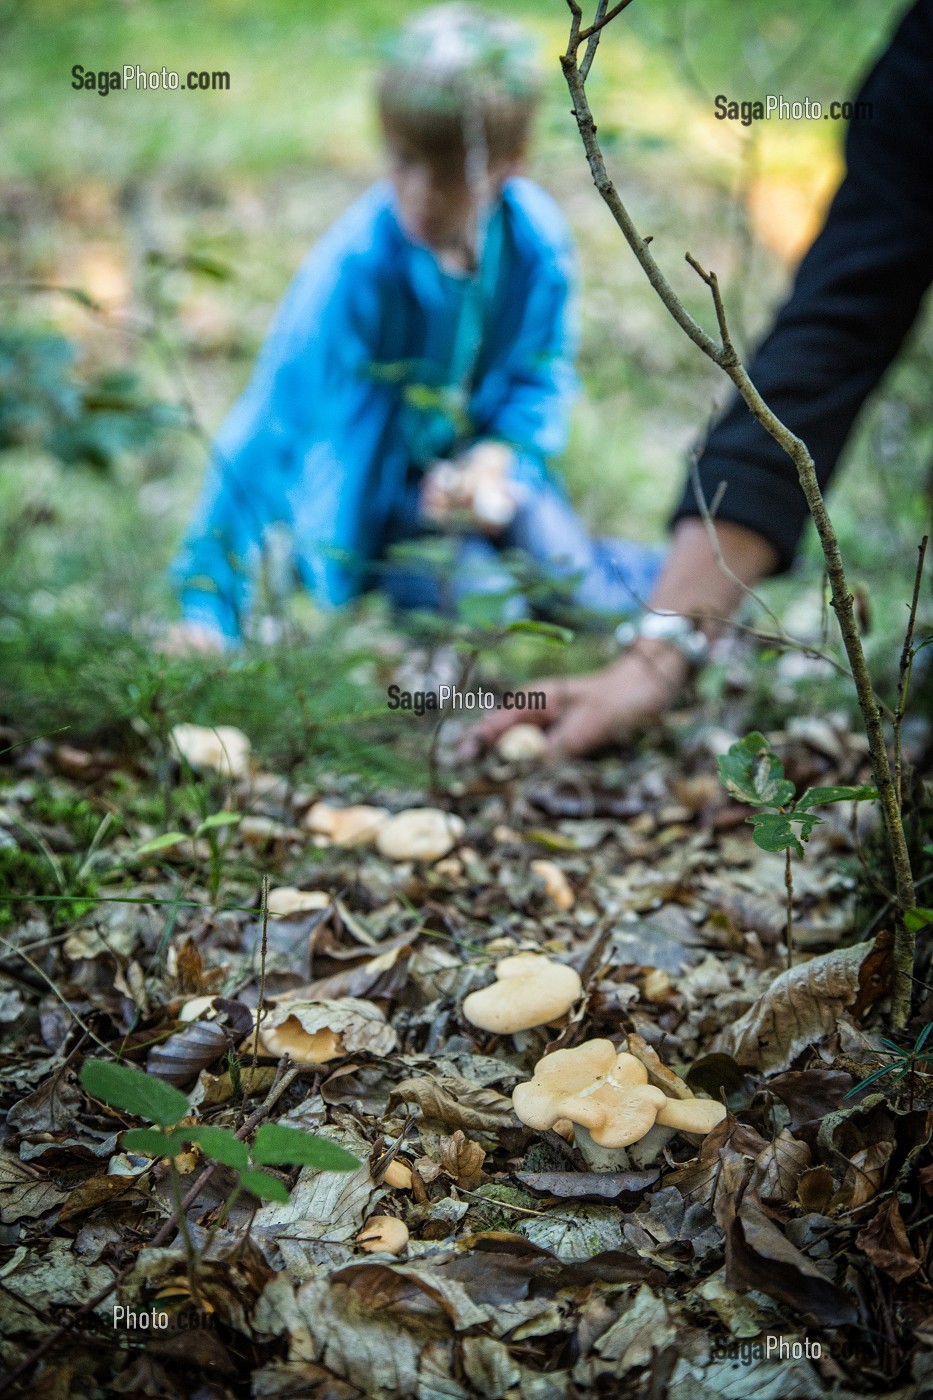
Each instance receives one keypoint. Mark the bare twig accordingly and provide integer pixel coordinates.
(904, 671)
(724, 355)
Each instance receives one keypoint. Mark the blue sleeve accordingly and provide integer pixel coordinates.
(528, 393)
(308, 388)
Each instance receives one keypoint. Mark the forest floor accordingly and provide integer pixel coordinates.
(786, 1254)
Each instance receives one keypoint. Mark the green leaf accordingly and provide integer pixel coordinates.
(547, 631)
(153, 1143)
(219, 819)
(161, 843)
(220, 1145)
(134, 1091)
(751, 772)
(773, 832)
(278, 1145)
(267, 1187)
(923, 1037)
(864, 1083)
(815, 797)
(915, 919)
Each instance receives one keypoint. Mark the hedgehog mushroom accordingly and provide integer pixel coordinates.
(609, 1100)
(530, 990)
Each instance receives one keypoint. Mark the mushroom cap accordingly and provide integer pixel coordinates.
(614, 1114)
(221, 747)
(398, 1175)
(304, 1047)
(345, 826)
(556, 885)
(421, 833)
(287, 900)
(521, 743)
(530, 990)
(383, 1234)
(558, 1076)
(691, 1115)
(608, 1094)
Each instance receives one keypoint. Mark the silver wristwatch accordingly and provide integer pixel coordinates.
(679, 631)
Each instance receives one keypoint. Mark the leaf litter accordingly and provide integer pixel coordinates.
(801, 1221)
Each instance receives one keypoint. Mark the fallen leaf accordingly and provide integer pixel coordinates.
(24, 1194)
(462, 1159)
(456, 1102)
(884, 1240)
(800, 1007)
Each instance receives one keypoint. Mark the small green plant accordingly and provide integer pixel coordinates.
(904, 1061)
(163, 1106)
(751, 772)
(210, 828)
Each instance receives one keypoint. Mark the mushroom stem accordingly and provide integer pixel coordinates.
(647, 1151)
(600, 1159)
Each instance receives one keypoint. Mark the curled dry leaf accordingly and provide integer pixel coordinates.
(221, 748)
(181, 1058)
(799, 1008)
(885, 1242)
(556, 885)
(345, 826)
(421, 833)
(455, 1102)
(312, 1032)
(462, 1159)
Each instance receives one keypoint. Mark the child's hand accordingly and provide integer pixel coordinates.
(474, 490)
(190, 638)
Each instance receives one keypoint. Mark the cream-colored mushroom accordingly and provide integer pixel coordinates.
(421, 833)
(221, 747)
(383, 1234)
(556, 885)
(697, 1116)
(608, 1097)
(530, 990)
(304, 1047)
(521, 744)
(286, 901)
(398, 1175)
(345, 826)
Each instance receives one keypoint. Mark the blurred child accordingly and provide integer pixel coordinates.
(418, 375)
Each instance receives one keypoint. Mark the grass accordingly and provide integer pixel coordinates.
(247, 179)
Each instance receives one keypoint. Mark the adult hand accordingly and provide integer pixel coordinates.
(583, 713)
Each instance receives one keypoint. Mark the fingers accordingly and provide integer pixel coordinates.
(483, 735)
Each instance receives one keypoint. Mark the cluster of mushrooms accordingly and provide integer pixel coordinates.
(604, 1094)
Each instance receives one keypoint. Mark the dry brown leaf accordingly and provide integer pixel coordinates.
(778, 1169)
(800, 1007)
(815, 1188)
(658, 1073)
(864, 1176)
(23, 1194)
(885, 1242)
(462, 1159)
(456, 1102)
(182, 1057)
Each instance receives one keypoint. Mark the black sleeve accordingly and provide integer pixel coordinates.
(856, 295)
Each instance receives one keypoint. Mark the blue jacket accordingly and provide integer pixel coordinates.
(353, 369)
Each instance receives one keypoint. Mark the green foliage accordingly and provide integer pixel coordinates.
(903, 1061)
(27, 874)
(276, 1144)
(134, 1091)
(44, 404)
(751, 772)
